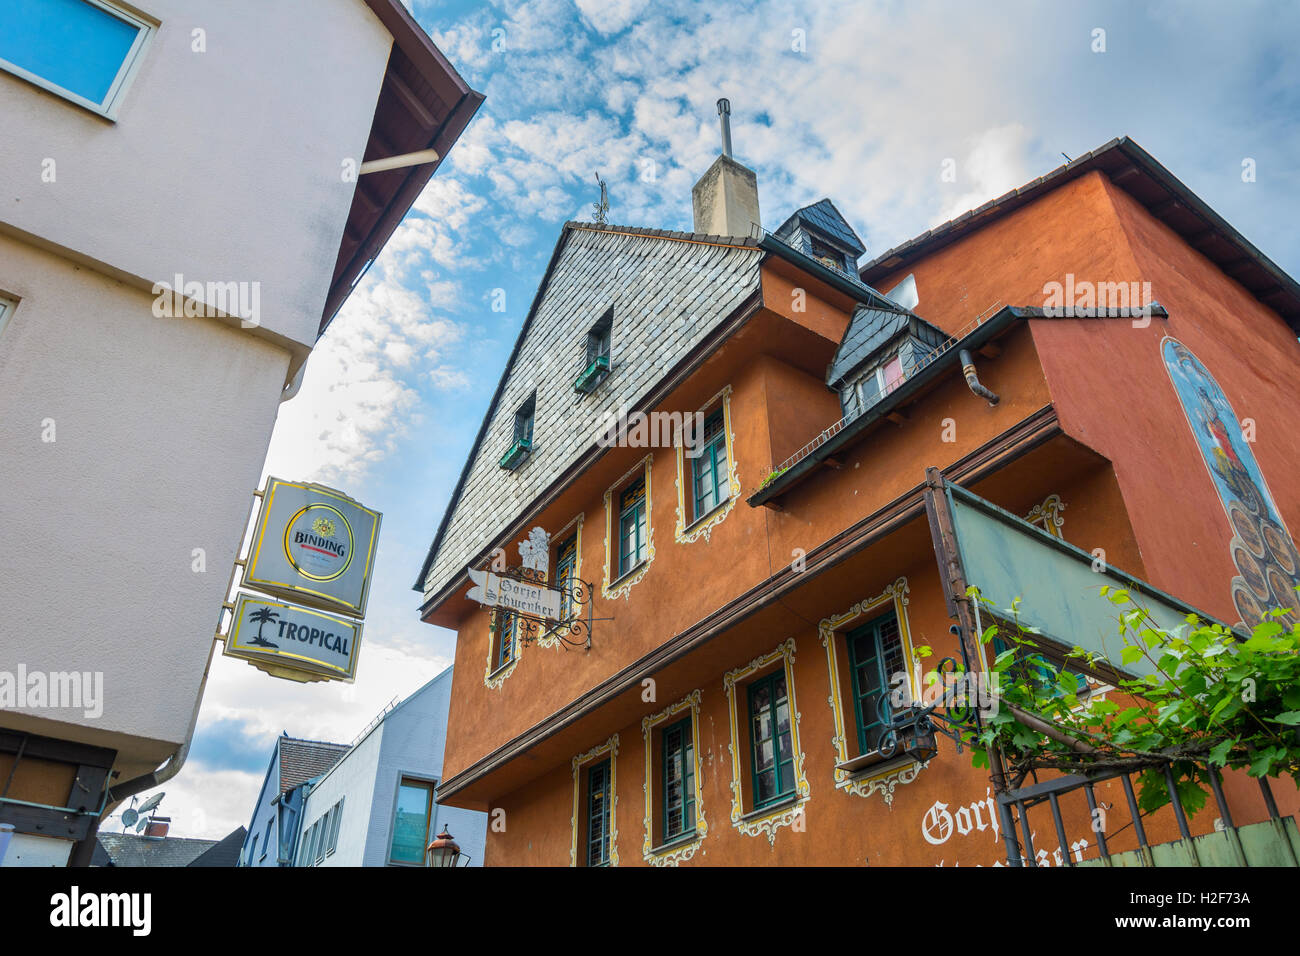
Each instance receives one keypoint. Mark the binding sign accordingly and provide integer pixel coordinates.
(313, 545)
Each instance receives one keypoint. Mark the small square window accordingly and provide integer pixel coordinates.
(827, 255)
(82, 50)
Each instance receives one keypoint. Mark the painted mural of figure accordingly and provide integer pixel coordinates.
(1262, 549)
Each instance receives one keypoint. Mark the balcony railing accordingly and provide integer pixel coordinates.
(1274, 841)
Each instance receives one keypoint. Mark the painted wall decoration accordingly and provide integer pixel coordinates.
(1262, 549)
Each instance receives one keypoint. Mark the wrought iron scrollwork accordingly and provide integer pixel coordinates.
(573, 629)
(910, 726)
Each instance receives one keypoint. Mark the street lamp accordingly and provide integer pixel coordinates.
(444, 851)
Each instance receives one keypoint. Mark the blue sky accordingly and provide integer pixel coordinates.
(859, 101)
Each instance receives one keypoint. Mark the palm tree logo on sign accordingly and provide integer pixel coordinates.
(261, 617)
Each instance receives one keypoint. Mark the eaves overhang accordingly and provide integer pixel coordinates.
(423, 104)
(1157, 190)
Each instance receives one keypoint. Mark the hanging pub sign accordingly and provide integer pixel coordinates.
(313, 545)
(512, 594)
(295, 642)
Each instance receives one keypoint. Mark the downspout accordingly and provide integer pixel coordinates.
(973, 379)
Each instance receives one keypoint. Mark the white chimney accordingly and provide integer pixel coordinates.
(725, 200)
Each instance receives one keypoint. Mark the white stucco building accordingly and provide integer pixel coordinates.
(212, 147)
(375, 805)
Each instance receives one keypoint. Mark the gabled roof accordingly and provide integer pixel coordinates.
(667, 288)
(823, 217)
(1131, 168)
(224, 852)
(301, 760)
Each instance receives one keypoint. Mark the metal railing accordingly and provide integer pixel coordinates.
(1014, 806)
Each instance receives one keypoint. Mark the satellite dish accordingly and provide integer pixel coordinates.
(151, 802)
(144, 822)
(129, 817)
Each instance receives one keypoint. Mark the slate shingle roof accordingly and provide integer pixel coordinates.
(133, 849)
(824, 217)
(668, 291)
(225, 852)
(300, 760)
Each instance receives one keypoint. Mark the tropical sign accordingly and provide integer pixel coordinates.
(1262, 548)
(282, 638)
(313, 545)
(494, 590)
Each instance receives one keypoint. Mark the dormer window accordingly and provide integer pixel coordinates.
(597, 362)
(522, 438)
(827, 255)
(872, 385)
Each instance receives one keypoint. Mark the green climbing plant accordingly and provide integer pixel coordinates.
(1210, 698)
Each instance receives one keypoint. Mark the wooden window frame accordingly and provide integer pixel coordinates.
(872, 630)
(692, 525)
(721, 489)
(764, 820)
(579, 764)
(618, 584)
(858, 773)
(639, 522)
(657, 848)
(785, 790)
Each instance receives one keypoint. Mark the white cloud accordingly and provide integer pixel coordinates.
(610, 16)
(355, 405)
(446, 378)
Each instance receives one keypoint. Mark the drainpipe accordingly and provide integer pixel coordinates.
(973, 379)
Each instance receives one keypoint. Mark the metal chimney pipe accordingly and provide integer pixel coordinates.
(724, 116)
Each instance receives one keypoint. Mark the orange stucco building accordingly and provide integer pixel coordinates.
(720, 708)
